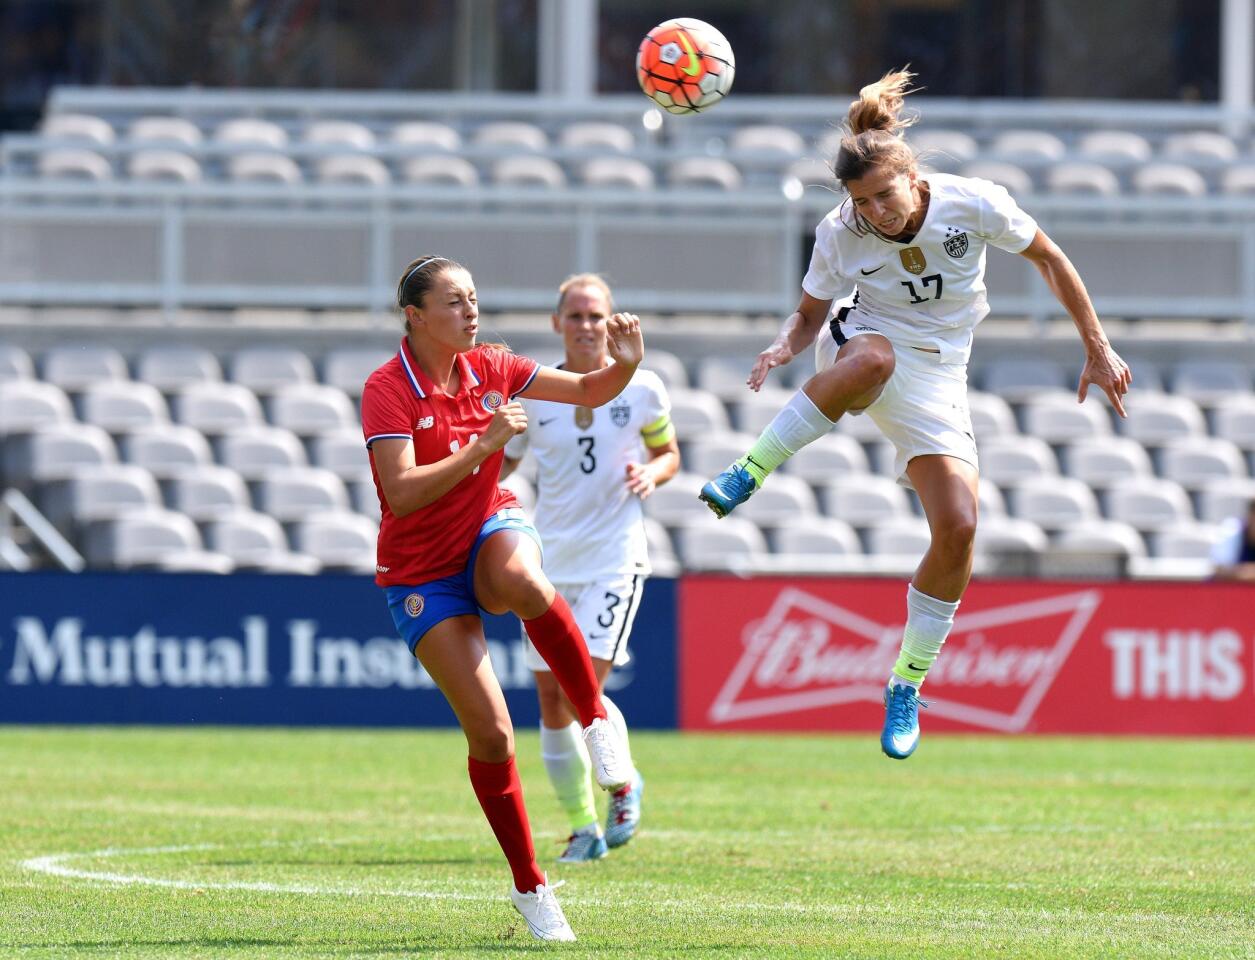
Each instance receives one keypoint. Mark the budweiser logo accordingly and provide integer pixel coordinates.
(993, 671)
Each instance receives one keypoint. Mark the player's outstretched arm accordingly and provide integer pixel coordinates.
(1103, 366)
(797, 333)
(626, 347)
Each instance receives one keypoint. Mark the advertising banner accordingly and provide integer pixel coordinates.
(1043, 657)
(263, 649)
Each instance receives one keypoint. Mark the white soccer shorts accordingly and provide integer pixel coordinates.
(923, 407)
(604, 609)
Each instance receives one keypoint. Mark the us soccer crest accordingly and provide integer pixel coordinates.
(620, 413)
(956, 242)
(913, 259)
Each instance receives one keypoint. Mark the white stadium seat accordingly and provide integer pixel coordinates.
(140, 538)
(1001, 535)
(74, 165)
(754, 409)
(266, 369)
(661, 552)
(353, 169)
(1114, 146)
(213, 408)
(617, 172)
(1015, 179)
(74, 367)
(596, 135)
(821, 536)
(722, 376)
(1019, 379)
(1102, 537)
(781, 498)
(1191, 541)
(511, 135)
(943, 149)
(28, 404)
(264, 168)
(119, 406)
(711, 544)
(425, 135)
(1169, 179)
(991, 415)
(1208, 381)
(170, 131)
(1103, 461)
(348, 367)
(1196, 146)
(1234, 418)
(291, 494)
(54, 452)
(98, 492)
(343, 452)
(163, 165)
(171, 368)
(1056, 417)
(249, 131)
(1008, 461)
(830, 456)
(15, 363)
(711, 454)
(1238, 180)
(1195, 462)
(440, 169)
(1054, 502)
(204, 493)
(166, 449)
(1158, 417)
(339, 133)
(82, 127)
(1148, 503)
(1027, 146)
(254, 451)
(990, 498)
(1222, 499)
(529, 171)
(340, 541)
(310, 408)
(899, 537)
(863, 501)
(668, 366)
(675, 503)
(767, 138)
(1082, 178)
(696, 413)
(708, 172)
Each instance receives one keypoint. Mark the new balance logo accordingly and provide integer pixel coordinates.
(426, 423)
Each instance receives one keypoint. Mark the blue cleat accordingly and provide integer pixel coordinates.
(624, 815)
(900, 735)
(584, 845)
(728, 490)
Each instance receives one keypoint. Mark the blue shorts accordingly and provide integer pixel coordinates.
(416, 609)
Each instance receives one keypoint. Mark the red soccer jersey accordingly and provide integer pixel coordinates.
(400, 401)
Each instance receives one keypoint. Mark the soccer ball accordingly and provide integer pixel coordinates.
(685, 65)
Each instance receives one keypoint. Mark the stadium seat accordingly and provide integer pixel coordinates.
(1103, 461)
(620, 172)
(213, 407)
(830, 456)
(822, 536)
(1102, 536)
(661, 552)
(343, 452)
(943, 149)
(163, 165)
(339, 541)
(1169, 179)
(339, 133)
(97, 492)
(290, 494)
(74, 165)
(709, 172)
(54, 452)
(1238, 180)
(166, 449)
(1027, 146)
(264, 168)
(1194, 462)
(254, 451)
(1199, 146)
(511, 135)
(28, 404)
(865, 500)
(1186, 540)
(711, 453)
(310, 408)
(77, 126)
(675, 503)
(168, 131)
(810, 172)
(1234, 418)
(206, 492)
(1056, 417)
(767, 138)
(249, 131)
(1016, 180)
(1008, 461)
(426, 135)
(1146, 375)
(347, 368)
(437, 168)
(1016, 380)
(1221, 500)
(265, 369)
(899, 537)
(365, 498)
(597, 135)
(119, 406)
(753, 410)
(1054, 502)
(710, 544)
(668, 366)
(1148, 503)
(1109, 146)
(722, 376)
(139, 538)
(1158, 417)
(1082, 178)
(74, 367)
(990, 498)
(528, 171)
(781, 498)
(696, 413)
(861, 427)
(255, 541)
(15, 363)
(991, 416)
(194, 561)
(348, 168)
(997, 535)
(1207, 381)
(172, 368)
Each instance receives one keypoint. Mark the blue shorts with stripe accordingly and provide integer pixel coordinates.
(416, 609)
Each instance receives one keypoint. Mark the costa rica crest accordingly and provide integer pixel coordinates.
(414, 604)
(956, 242)
(620, 413)
(492, 400)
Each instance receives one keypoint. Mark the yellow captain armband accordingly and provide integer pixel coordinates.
(659, 433)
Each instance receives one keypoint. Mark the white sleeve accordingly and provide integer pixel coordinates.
(823, 279)
(658, 404)
(1226, 550)
(1002, 222)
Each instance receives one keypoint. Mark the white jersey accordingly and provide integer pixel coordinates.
(929, 291)
(591, 525)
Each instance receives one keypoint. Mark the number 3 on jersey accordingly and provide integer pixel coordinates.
(589, 462)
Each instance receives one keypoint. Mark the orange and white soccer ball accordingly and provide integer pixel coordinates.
(685, 65)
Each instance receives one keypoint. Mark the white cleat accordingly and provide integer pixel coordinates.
(610, 759)
(542, 912)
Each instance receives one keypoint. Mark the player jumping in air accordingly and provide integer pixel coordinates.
(595, 468)
(436, 419)
(914, 246)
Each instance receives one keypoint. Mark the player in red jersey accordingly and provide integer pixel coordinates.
(436, 419)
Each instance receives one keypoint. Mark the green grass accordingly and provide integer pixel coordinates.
(370, 844)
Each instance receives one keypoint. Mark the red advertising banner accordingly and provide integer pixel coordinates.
(1032, 657)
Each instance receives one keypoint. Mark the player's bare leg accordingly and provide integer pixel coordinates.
(862, 368)
(508, 576)
(947, 488)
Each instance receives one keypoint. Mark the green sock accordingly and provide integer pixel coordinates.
(569, 768)
(798, 423)
(765, 455)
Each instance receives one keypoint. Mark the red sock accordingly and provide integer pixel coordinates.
(500, 793)
(559, 642)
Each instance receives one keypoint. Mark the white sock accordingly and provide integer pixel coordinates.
(798, 423)
(928, 623)
(569, 767)
(615, 716)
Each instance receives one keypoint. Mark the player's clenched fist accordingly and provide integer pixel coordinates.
(506, 422)
(624, 341)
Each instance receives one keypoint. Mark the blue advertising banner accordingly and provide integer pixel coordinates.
(263, 649)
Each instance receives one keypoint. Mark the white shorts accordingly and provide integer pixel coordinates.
(923, 406)
(604, 609)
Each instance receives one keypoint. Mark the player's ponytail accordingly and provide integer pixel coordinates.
(873, 129)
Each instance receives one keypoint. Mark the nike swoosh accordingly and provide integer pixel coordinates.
(541, 423)
(868, 273)
(693, 67)
(911, 666)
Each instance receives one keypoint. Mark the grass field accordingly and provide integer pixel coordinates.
(248, 843)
